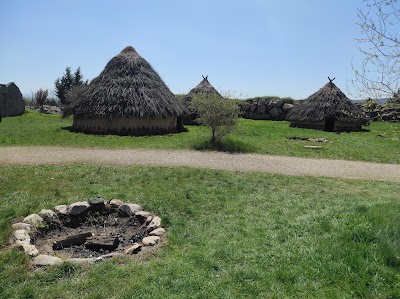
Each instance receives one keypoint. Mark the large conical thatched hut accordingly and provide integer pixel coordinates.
(203, 88)
(127, 98)
(328, 109)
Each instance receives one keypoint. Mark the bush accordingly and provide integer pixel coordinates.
(218, 113)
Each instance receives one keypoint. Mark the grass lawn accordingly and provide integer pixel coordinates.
(230, 235)
(381, 143)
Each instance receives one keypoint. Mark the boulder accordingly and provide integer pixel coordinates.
(115, 203)
(151, 240)
(48, 215)
(61, 209)
(34, 219)
(143, 215)
(29, 249)
(78, 208)
(155, 223)
(157, 232)
(96, 201)
(245, 106)
(23, 226)
(20, 237)
(46, 260)
(130, 209)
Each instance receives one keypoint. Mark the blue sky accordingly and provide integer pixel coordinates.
(251, 48)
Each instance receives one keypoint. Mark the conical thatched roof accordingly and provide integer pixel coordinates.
(328, 102)
(204, 88)
(128, 86)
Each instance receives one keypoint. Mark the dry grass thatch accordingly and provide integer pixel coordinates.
(328, 102)
(128, 86)
(203, 88)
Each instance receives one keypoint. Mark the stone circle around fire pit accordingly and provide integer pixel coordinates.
(87, 231)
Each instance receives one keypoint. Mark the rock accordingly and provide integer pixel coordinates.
(20, 237)
(17, 220)
(245, 106)
(98, 244)
(48, 215)
(275, 104)
(155, 223)
(24, 226)
(69, 241)
(134, 249)
(253, 107)
(115, 203)
(78, 208)
(81, 260)
(61, 209)
(287, 106)
(150, 241)
(130, 209)
(275, 112)
(142, 215)
(46, 260)
(34, 219)
(47, 109)
(96, 201)
(149, 219)
(29, 249)
(158, 232)
(261, 108)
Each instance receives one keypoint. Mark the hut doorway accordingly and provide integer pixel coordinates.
(329, 124)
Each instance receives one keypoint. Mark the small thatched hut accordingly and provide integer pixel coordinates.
(203, 88)
(127, 98)
(329, 110)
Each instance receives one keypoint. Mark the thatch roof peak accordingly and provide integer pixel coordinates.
(128, 86)
(129, 51)
(204, 87)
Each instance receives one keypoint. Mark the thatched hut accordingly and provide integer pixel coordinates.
(127, 98)
(329, 110)
(203, 88)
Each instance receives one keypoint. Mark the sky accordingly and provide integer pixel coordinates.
(247, 48)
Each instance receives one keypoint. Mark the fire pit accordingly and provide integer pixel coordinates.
(87, 232)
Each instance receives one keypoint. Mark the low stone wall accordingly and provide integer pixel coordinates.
(389, 112)
(265, 110)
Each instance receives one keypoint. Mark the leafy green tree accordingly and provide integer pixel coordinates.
(218, 113)
(66, 82)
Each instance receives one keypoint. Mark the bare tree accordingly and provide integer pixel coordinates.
(378, 74)
(41, 97)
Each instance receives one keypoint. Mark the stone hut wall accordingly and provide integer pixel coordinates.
(126, 126)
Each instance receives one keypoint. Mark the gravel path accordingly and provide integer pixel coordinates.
(211, 160)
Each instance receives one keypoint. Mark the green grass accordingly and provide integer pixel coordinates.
(230, 234)
(381, 143)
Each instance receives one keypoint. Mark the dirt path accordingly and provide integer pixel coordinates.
(211, 160)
